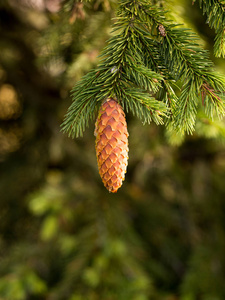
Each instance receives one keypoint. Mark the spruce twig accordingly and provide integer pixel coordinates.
(215, 12)
(146, 55)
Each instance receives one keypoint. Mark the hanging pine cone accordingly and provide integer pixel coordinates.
(111, 144)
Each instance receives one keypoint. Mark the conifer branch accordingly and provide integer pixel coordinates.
(143, 105)
(144, 58)
(120, 66)
(186, 61)
(215, 11)
(187, 108)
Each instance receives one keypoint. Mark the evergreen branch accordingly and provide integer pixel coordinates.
(153, 61)
(120, 61)
(187, 108)
(169, 97)
(215, 11)
(147, 52)
(212, 102)
(144, 56)
(143, 105)
(219, 46)
(182, 54)
(179, 47)
(83, 107)
(186, 61)
(214, 90)
(142, 76)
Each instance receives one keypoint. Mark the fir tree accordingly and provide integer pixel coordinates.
(146, 57)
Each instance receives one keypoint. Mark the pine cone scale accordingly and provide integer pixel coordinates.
(111, 144)
(108, 163)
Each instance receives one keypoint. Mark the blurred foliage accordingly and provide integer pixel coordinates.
(62, 235)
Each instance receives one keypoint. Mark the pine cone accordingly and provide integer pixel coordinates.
(111, 144)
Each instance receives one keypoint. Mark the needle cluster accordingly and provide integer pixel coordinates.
(141, 64)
